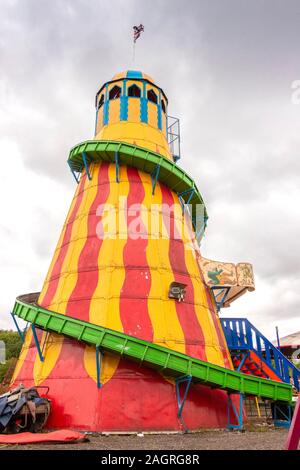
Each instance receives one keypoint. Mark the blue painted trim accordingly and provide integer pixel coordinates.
(18, 328)
(159, 111)
(134, 74)
(144, 105)
(124, 103)
(144, 110)
(37, 343)
(84, 158)
(106, 107)
(98, 366)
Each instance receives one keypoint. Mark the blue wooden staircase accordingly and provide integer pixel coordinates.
(249, 347)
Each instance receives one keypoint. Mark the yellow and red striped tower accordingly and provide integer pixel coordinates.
(126, 238)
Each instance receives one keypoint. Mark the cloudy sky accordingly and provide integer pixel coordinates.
(228, 68)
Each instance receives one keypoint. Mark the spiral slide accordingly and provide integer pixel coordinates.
(171, 363)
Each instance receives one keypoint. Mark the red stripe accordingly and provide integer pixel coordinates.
(217, 324)
(136, 287)
(73, 393)
(88, 271)
(71, 357)
(194, 338)
(56, 271)
(26, 371)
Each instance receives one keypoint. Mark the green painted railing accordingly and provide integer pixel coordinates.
(169, 172)
(170, 362)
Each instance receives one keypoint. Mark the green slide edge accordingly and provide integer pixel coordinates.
(145, 160)
(171, 363)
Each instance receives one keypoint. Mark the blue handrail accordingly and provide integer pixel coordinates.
(241, 334)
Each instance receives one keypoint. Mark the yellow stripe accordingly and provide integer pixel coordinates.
(68, 278)
(58, 248)
(99, 120)
(134, 110)
(114, 111)
(222, 345)
(152, 114)
(51, 352)
(167, 330)
(51, 338)
(69, 271)
(105, 304)
(22, 356)
(212, 346)
(136, 133)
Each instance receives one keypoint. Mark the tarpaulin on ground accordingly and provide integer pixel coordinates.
(17, 404)
(63, 435)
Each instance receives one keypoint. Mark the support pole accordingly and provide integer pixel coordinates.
(281, 418)
(187, 379)
(84, 157)
(257, 407)
(73, 172)
(37, 343)
(117, 166)
(184, 203)
(190, 196)
(45, 341)
(242, 361)
(98, 365)
(18, 328)
(154, 177)
(222, 290)
(237, 413)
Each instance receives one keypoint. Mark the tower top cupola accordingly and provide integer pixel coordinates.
(132, 108)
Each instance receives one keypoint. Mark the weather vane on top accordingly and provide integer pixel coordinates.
(137, 30)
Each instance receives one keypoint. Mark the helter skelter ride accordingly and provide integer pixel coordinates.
(125, 331)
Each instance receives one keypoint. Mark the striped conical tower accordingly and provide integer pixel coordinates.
(126, 238)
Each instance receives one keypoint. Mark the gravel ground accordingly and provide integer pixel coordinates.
(264, 439)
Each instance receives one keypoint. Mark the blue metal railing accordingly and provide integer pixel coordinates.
(240, 334)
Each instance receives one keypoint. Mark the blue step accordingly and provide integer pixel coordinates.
(241, 335)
